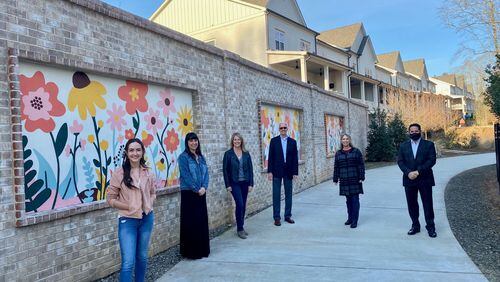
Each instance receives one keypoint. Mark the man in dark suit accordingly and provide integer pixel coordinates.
(415, 159)
(282, 166)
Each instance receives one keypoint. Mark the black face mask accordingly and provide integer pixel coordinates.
(415, 136)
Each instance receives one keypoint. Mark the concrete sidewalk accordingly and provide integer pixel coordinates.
(320, 248)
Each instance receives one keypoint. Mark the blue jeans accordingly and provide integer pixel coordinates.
(240, 193)
(277, 197)
(134, 237)
(352, 203)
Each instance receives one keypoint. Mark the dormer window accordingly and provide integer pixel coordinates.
(279, 39)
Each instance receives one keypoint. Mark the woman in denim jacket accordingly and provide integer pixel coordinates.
(238, 178)
(194, 241)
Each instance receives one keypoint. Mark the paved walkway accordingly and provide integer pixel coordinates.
(320, 248)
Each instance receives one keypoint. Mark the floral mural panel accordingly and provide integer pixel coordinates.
(270, 118)
(334, 127)
(75, 126)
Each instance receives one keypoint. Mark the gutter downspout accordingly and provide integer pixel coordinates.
(378, 93)
(349, 99)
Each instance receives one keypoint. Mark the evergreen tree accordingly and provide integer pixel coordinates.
(380, 147)
(492, 94)
(397, 131)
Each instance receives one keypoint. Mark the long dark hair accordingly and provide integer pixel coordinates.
(127, 179)
(191, 136)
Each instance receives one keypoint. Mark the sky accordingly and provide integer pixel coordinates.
(412, 27)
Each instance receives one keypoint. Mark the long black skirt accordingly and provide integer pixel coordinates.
(194, 241)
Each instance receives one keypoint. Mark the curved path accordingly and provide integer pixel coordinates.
(320, 248)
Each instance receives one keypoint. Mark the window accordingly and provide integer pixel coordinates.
(279, 39)
(305, 45)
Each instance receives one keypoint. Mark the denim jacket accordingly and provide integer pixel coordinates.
(193, 174)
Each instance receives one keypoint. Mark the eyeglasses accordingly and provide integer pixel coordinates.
(282, 128)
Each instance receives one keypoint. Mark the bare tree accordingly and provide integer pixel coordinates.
(428, 109)
(477, 21)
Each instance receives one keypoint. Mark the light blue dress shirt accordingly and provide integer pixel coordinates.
(283, 146)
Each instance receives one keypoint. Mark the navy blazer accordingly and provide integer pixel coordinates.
(423, 163)
(231, 166)
(275, 161)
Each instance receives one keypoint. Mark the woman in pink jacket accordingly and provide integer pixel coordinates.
(132, 192)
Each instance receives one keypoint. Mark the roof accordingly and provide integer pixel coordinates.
(389, 60)
(449, 78)
(416, 67)
(343, 37)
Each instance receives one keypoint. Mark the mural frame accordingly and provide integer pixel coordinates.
(261, 102)
(329, 156)
(15, 56)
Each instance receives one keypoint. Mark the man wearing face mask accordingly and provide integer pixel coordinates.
(415, 159)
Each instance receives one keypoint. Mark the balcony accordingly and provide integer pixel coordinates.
(311, 68)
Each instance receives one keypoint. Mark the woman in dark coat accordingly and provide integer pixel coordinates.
(349, 170)
(238, 178)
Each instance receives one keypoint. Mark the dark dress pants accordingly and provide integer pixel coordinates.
(352, 203)
(240, 193)
(413, 209)
(277, 197)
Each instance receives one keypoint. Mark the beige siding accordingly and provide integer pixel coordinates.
(366, 62)
(293, 34)
(357, 42)
(188, 16)
(332, 54)
(247, 39)
(286, 8)
(383, 76)
(415, 84)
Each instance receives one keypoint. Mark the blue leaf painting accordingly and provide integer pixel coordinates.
(68, 180)
(44, 166)
(89, 175)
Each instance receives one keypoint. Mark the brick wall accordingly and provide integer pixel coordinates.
(82, 34)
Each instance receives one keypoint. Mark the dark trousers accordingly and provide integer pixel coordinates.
(352, 203)
(413, 210)
(277, 196)
(240, 193)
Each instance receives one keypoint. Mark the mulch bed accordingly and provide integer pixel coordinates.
(473, 208)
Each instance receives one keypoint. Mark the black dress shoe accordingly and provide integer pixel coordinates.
(289, 220)
(354, 225)
(413, 231)
(277, 222)
(348, 222)
(432, 234)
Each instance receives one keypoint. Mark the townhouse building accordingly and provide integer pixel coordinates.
(358, 46)
(393, 63)
(419, 77)
(461, 97)
(274, 34)
(271, 33)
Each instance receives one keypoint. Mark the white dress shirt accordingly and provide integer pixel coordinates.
(414, 147)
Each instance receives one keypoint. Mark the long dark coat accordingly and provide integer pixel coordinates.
(349, 169)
